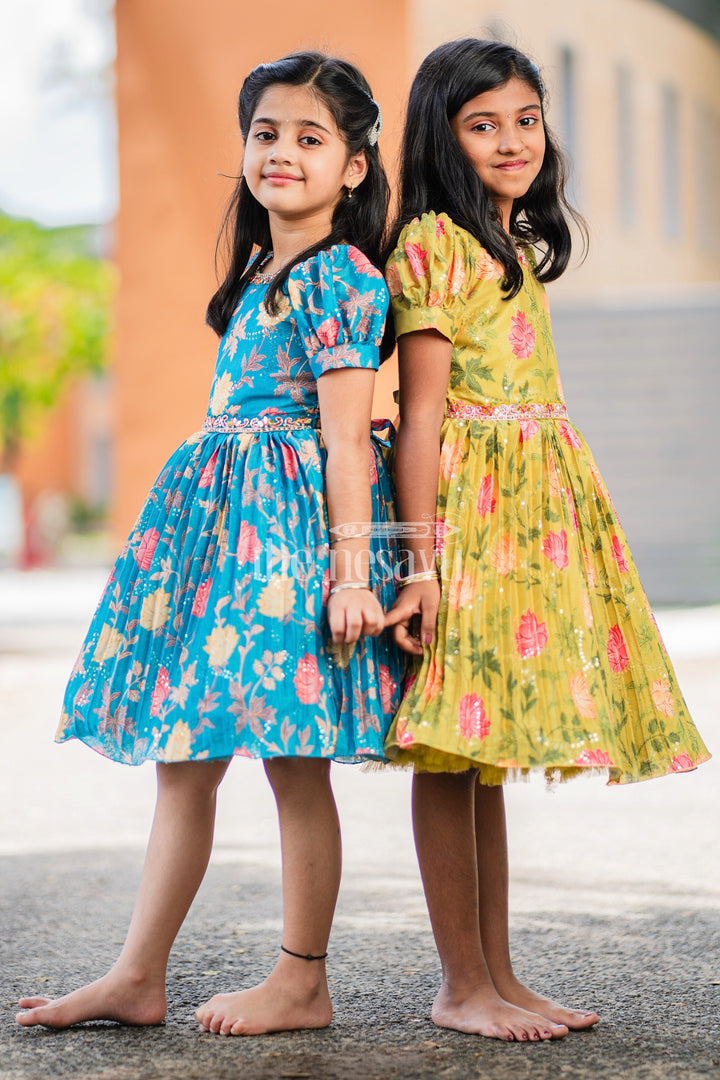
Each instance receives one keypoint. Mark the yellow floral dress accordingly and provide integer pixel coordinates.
(547, 655)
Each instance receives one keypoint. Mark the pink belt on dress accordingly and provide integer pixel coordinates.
(267, 422)
(522, 410)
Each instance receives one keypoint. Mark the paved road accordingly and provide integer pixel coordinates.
(615, 897)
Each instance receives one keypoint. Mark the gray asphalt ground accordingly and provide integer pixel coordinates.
(615, 898)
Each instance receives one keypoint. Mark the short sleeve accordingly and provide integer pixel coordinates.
(426, 276)
(339, 301)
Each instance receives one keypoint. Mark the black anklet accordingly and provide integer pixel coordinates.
(303, 956)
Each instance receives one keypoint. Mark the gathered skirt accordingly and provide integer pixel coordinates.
(547, 655)
(211, 637)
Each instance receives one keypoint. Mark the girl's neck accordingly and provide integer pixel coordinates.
(290, 237)
(504, 209)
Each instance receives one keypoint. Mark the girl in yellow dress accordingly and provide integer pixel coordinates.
(535, 645)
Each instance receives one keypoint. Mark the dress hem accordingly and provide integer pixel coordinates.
(494, 775)
(342, 759)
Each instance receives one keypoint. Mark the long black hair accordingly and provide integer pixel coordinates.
(436, 175)
(359, 220)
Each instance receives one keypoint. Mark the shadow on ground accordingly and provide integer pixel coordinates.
(653, 977)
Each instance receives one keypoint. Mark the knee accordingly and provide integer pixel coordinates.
(451, 782)
(196, 779)
(290, 775)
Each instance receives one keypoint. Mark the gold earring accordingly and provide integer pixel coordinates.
(349, 191)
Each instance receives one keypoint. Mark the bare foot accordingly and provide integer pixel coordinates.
(116, 996)
(274, 1005)
(483, 1012)
(518, 994)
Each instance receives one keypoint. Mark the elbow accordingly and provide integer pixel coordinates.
(421, 428)
(349, 448)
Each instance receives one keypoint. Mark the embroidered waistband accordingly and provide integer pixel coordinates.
(523, 410)
(269, 422)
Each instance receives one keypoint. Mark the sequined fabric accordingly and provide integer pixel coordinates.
(526, 410)
(259, 423)
(547, 656)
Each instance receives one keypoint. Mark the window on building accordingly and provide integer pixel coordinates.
(568, 114)
(670, 124)
(707, 179)
(625, 146)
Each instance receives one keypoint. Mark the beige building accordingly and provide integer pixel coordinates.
(634, 92)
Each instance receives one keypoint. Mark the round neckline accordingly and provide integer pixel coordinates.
(258, 277)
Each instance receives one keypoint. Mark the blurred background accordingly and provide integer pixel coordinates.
(118, 135)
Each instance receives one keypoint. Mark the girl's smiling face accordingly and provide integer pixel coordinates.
(501, 134)
(296, 162)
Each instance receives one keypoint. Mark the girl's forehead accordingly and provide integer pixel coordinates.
(515, 93)
(293, 104)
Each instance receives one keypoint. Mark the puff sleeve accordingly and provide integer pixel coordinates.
(427, 276)
(339, 302)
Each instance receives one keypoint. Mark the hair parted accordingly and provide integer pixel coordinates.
(359, 220)
(435, 174)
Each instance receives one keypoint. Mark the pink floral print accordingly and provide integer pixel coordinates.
(546, 654)
(472, 718)
(522, 336)
(531, 636)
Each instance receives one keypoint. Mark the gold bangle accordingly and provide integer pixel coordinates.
(353, 536)
(348, 585)
(423, 575)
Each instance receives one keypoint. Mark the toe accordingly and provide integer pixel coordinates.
(499, 1031)
(31, 1017)
(585, 1019)
(32, 1002)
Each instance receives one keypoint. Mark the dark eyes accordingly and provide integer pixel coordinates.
(524, 121)
(269, 136)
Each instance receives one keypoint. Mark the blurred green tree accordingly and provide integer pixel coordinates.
(55, 304)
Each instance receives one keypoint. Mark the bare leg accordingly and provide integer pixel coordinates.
(492, 861)
(295, 994)
(444, 822)
(133, 991)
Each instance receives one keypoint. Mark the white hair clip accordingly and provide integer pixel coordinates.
(374, 133)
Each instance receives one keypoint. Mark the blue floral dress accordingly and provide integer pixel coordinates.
(210, 638)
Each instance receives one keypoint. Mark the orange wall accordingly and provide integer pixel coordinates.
(48, 460)
(179, 70)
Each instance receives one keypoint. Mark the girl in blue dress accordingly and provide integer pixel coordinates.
(245, 612)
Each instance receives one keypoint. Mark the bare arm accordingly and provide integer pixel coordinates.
(345, 399)
(424, 365)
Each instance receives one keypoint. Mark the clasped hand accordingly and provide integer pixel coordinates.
(354, 614)
(358, 613)
(414, 615)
